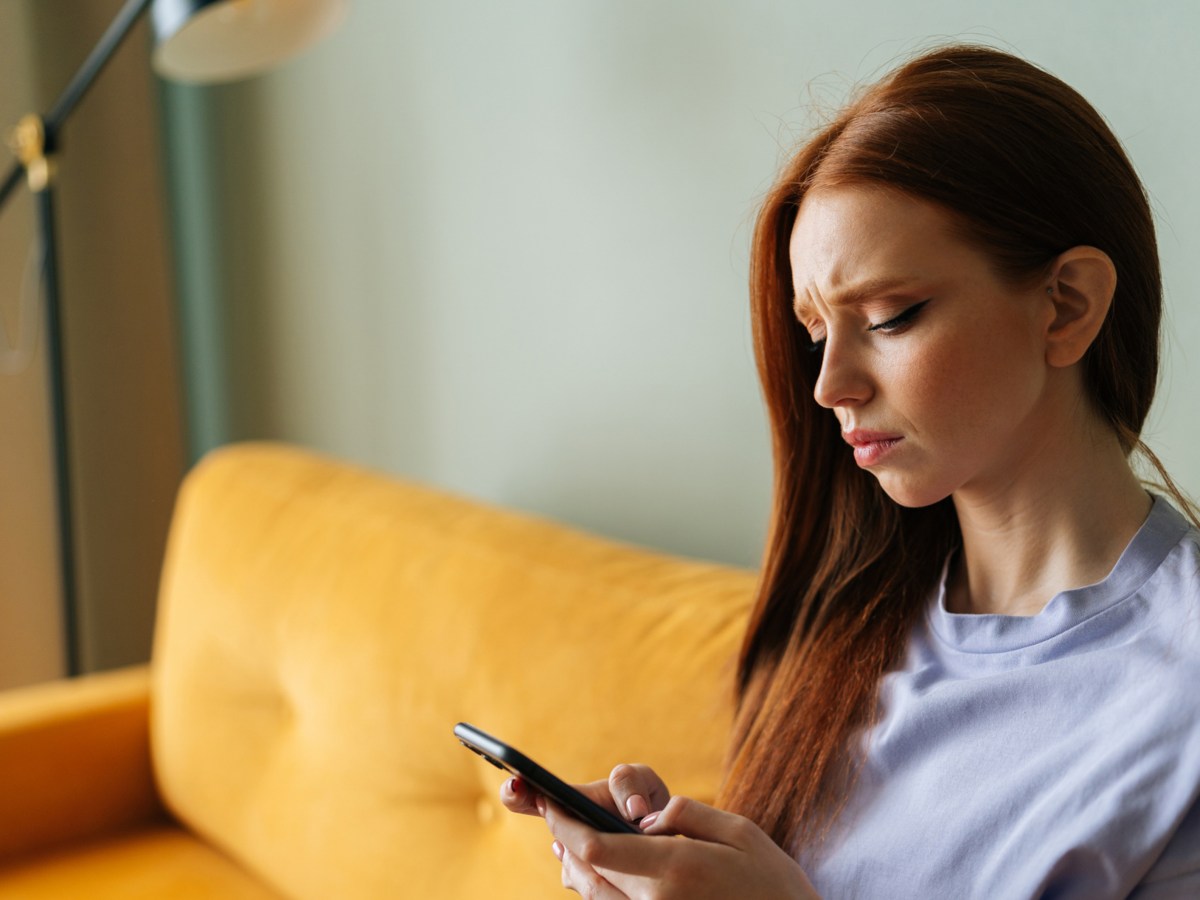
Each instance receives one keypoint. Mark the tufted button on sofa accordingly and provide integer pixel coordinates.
(321, 629)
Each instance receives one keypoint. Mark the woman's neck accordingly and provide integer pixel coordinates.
(1060, 523)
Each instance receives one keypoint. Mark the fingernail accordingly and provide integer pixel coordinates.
(541, 806)
(511, 785)
(637, 807)
(647, 821)
(558, 850)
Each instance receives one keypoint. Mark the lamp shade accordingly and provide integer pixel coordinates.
(222, 40)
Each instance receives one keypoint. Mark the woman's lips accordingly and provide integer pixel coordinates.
(871, 446)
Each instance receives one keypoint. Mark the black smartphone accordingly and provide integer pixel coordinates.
(502, 756)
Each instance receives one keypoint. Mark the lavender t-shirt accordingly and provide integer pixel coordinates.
(1055, 755)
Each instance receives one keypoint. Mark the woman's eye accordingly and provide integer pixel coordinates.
(898, 322)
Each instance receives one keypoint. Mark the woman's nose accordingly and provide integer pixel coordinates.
(843, 380)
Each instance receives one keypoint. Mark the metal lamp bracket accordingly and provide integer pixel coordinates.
(28, 142)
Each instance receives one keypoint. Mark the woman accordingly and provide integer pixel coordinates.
(972, 667)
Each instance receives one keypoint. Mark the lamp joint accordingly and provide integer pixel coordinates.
(28, 142)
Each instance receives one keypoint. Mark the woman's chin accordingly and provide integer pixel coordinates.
(909, 493)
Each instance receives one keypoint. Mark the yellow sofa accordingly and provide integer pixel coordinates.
(321, 629)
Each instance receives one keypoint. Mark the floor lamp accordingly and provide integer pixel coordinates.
(194, 40)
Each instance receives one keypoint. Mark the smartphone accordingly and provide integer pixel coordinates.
(502, 756)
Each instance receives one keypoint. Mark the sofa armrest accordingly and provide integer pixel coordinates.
(75, 761)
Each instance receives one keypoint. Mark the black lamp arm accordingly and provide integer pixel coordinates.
(79, 84)
(11, 180)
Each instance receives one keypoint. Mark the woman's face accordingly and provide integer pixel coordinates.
(934, 367)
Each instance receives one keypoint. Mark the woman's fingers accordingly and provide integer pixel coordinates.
(580, 877)
(694, 819)
(637, 791)
(630, 854)
(519, 796)
(688, 850)
(630, 792)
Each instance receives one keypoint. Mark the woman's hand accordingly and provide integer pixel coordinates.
(712, 854)
(630, 792)
(687, 850)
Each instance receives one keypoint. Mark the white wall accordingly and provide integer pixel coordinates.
(502, 247)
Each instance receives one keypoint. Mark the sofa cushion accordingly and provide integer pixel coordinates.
(143, 864)
(322, 629)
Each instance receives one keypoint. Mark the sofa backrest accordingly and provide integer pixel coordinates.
(322, 628)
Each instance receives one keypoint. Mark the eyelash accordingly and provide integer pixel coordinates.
(893, 325)
(897, 322)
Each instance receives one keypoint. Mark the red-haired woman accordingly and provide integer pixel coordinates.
(973, 669)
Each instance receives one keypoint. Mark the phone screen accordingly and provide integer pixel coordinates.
(502, 756)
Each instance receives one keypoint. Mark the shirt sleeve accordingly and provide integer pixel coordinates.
(1175, 875)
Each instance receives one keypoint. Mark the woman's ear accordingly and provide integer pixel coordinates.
(1081, 286)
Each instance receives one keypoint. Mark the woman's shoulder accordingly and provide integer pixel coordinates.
(1177, 540)
(1165, 611)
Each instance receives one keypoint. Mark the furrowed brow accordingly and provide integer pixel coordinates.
(872, 289)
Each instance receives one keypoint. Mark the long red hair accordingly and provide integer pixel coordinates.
(1027, 169)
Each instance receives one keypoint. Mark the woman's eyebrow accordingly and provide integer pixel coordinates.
(871, 289)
